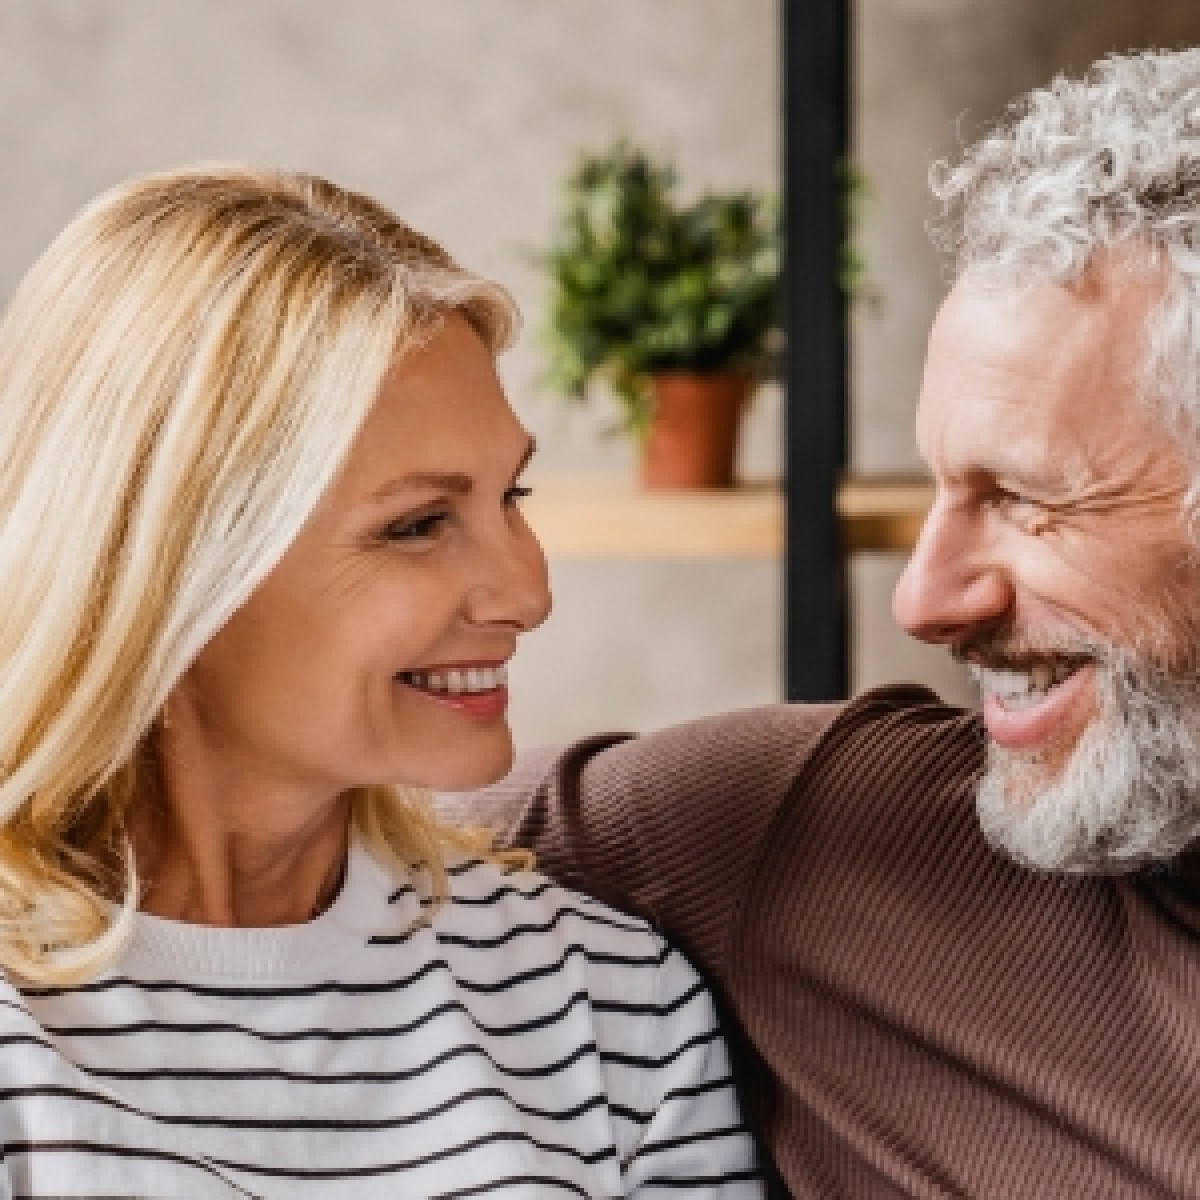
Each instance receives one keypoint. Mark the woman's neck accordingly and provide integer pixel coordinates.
(232, 847)
(241, 881)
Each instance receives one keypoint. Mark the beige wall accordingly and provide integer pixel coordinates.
(463, 115)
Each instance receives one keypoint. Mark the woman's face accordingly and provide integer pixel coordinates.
(374, 652)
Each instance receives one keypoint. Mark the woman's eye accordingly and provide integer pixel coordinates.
(516, 494)
(413, 529)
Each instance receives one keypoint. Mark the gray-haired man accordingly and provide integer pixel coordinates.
(920, 1015)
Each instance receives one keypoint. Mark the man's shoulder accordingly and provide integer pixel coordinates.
(673, 824)
(757, 757)
(897, 765)
(756, 753)
(901, 727)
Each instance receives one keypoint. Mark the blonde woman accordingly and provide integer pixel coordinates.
(263, 565)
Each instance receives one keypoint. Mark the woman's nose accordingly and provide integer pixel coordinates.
(514, 590)
(954, 585)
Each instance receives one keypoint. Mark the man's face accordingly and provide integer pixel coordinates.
(1056, 562)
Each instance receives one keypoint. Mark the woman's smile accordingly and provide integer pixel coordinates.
(478, 689)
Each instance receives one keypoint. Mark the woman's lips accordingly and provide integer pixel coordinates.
(1025, 722)
(491, 703)
(475, 689)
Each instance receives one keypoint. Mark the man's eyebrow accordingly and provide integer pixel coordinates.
(454, 482)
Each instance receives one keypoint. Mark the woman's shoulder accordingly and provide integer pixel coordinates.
(14, 1011)
(533, 923)
(484, 894)
(522, 935)
(576, 945)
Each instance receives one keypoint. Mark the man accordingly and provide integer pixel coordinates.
(922, 1015)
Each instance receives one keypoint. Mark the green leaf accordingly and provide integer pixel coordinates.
(640, 280)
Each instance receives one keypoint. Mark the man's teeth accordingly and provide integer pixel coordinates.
(459, 680)
(1016, 687)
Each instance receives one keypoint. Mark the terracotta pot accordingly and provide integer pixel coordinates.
(692, 441)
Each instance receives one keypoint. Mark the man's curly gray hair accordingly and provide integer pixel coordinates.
(1083, 165)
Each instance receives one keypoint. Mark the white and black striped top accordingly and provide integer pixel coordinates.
(521, 1040)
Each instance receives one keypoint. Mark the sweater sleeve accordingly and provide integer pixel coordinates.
(692, 1138)
(668, 825)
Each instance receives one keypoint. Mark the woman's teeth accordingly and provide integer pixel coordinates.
(457, 681)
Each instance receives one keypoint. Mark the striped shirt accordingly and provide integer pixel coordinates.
(519, 1040)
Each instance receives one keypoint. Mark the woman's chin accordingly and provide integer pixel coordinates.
(468, 771)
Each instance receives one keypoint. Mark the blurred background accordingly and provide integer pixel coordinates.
(465, 116)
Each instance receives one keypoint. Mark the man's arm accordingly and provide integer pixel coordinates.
(668, 824)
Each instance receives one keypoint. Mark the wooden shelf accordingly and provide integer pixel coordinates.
(603, 517)
(882, 512)
(606, 517)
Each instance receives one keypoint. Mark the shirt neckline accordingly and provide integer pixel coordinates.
(310, 950)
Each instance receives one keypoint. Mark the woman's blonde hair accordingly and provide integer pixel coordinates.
(182, 373)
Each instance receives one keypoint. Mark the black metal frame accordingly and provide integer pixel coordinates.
(816, 52)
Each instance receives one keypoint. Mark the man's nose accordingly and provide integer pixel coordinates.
(953, 585)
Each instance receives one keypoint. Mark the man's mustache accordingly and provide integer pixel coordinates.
(1008, 651)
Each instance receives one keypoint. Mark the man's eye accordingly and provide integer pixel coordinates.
(413, 529)
(516, 494)
(1021, 510)
(1004, 499)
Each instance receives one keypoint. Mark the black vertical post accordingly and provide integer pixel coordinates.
(816, 43)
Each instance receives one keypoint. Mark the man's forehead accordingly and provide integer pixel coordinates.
(1041, 362)
(1000, 439)
(1037, 322)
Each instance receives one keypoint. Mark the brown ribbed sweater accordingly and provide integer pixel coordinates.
(919, 1016)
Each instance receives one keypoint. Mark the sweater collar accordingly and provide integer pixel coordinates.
(160, 947)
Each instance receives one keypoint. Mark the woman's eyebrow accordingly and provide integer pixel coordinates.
(454, 482)
(445, 481)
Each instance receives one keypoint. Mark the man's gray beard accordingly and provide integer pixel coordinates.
(1129, 794)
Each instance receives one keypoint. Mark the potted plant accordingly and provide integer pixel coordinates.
(673, 304)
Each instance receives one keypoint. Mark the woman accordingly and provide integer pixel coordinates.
(263, 566)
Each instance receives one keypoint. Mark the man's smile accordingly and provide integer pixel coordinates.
(1033, 697)
(1024, 709)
